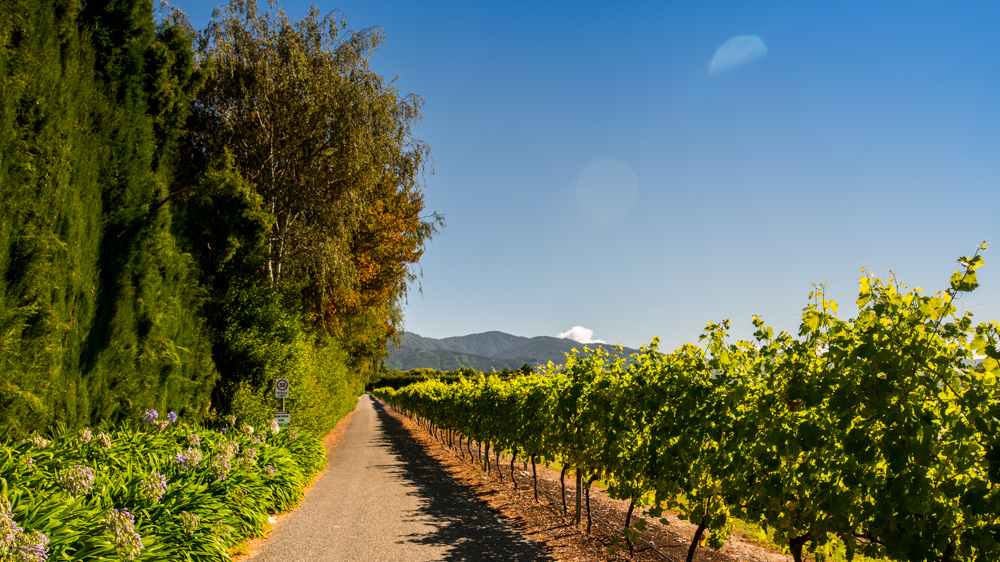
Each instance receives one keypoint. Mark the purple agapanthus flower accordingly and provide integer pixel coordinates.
(189, 522)
(188, 459)
(9, 529)
(172, 417)
(29, 546)
(247, 459)
(229, 448)
(77, 480)
(32, 547)
(153, 487)
(150, 415)
(103, 440)
(121, 523)
(219, 466)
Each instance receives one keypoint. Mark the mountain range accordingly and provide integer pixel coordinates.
(484, 352)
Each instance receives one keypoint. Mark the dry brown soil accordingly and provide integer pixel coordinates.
(544, 523)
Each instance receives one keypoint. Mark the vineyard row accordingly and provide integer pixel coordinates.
(880, 430)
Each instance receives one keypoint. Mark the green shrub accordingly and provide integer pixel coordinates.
(146, 485)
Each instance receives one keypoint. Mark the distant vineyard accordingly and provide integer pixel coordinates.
(881, 430)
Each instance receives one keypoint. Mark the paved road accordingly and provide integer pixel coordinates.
(383, 498)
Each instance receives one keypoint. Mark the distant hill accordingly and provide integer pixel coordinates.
(484, 352)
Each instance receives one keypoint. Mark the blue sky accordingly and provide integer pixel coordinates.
(593, 171)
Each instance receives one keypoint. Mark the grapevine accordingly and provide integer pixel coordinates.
(879, 430)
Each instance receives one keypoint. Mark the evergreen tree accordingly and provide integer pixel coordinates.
(50, 188)
(99, 310)
(155, 237)
(148, 345)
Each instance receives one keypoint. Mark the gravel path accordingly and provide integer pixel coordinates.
(383, 498)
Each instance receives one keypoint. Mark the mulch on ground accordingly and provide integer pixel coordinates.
(544, 524)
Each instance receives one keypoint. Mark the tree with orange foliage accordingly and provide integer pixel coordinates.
(327, 144)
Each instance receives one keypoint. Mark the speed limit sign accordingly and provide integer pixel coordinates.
(281, 388)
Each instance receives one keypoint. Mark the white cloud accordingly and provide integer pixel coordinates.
(579, 334)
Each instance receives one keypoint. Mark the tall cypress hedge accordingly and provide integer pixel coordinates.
(99, 309)
(134, 254)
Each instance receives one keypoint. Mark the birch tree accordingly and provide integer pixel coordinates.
(327, 143)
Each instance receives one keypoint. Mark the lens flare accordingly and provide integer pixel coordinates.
(738, 51)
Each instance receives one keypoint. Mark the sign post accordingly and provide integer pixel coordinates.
(282, 416)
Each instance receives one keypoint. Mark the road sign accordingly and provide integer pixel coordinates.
(281, 388)
(283, 418)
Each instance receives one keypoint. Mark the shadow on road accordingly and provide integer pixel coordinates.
(471, 530)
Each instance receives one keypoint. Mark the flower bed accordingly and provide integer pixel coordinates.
(156, 490)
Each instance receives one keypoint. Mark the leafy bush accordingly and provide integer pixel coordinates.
(399, 379)
(151, 490)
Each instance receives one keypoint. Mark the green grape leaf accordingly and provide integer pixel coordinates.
(964, 281)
